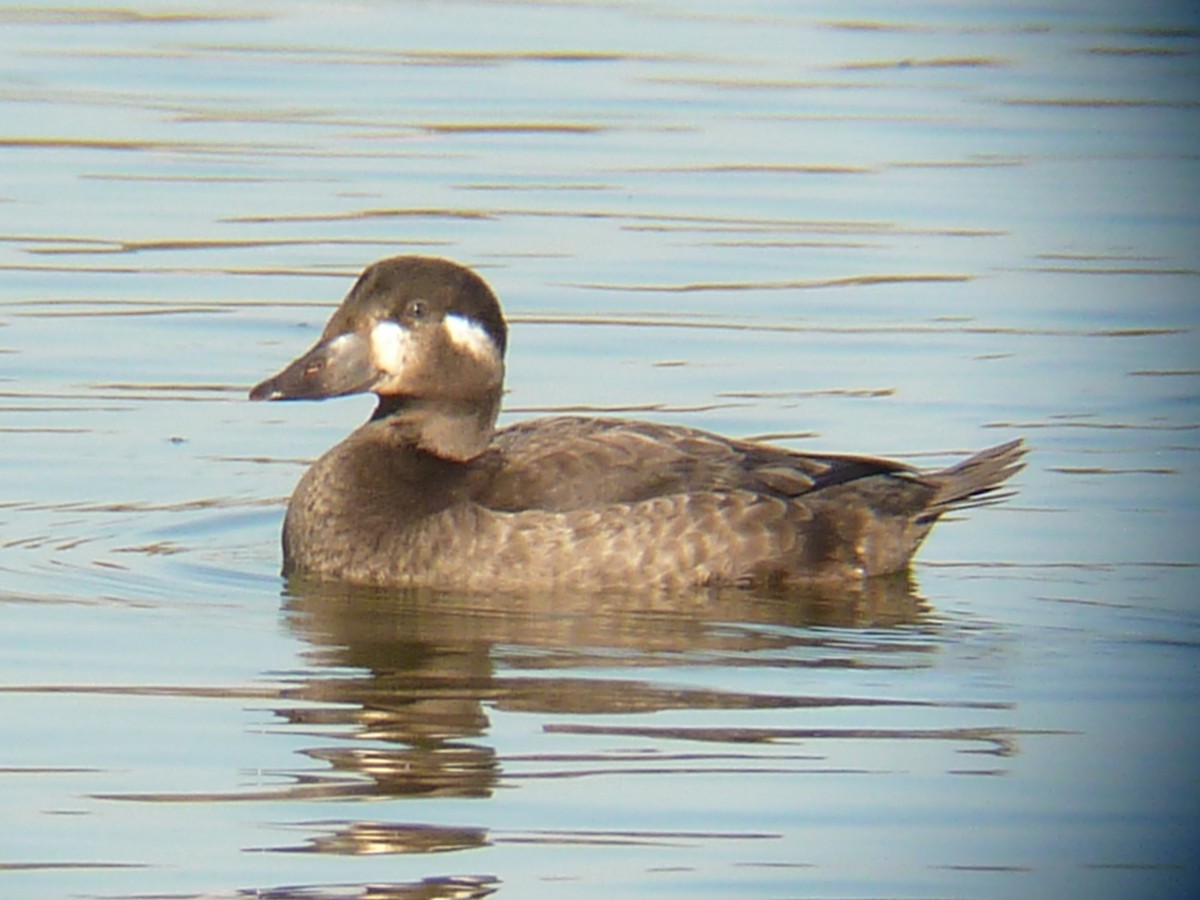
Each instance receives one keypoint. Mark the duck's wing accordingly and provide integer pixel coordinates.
(569, 463)
(610, 505)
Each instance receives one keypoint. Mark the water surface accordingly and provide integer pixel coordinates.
(911, 232)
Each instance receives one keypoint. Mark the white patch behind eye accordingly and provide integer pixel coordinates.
(391, 346)
(471, 337)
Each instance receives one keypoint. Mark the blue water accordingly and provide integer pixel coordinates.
(912, 232)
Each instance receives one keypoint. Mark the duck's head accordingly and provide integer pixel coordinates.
(424, 334)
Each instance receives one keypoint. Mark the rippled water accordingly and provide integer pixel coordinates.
(913, 232)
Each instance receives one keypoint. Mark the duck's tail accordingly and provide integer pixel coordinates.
(975, 481)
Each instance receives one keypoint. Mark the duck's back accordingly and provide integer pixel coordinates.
(568, 462)
(603, 504)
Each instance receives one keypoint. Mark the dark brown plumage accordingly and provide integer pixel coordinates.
(427, 494)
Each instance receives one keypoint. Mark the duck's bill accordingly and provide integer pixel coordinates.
(341, 365)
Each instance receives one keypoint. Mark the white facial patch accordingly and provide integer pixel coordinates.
(472, 338)
(391, 347)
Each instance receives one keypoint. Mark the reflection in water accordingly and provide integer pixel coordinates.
(404, 680)
(391, 630)
(447, 888)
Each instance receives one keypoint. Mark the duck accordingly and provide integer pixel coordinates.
(429, 493)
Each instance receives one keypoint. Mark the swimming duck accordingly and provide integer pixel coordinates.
(428, 492)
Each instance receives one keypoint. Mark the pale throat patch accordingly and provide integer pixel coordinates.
(472, 338)
(391, 347)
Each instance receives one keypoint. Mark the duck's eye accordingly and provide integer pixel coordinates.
(416, 310)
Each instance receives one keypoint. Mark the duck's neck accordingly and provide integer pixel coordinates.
(453, 430)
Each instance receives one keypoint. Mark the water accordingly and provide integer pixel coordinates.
(912, 233)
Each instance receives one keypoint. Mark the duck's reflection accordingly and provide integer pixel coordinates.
(463, 887)
(402, 683)
(405, 677)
